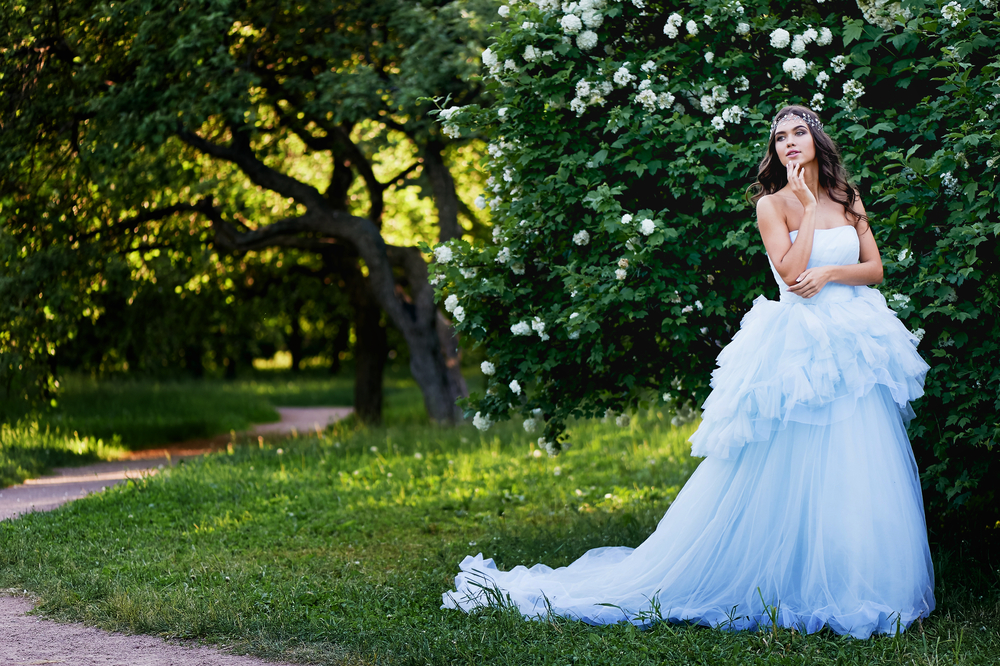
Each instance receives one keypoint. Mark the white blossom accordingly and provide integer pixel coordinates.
(644, 84)
(639, 4)
(623, 77)
(582, 88)
(720, 94)
(515, 387)
(742, 84)
(707, 20)
(504, 11)
(531, 54)
(509, 65)
(825, 37)
(539, 327)
(648, 66)
(953, 12)
(742, 28)
(950, 183)
(798, 44)
(718, 123)
(691, 27)
(530, 425)
(528, 25)
(480, 202)
(581, 237)
(709, 57)
(451, 303)
(578, 105)
(698, 305)
(620, 273)
(675, 20)
(664, 100)
(919, 333)
(780, 38)
(481, 421)
(733, 114)
(487, 368)
(623, 263)
(809, 36)
(586, 40)
(707, 103)
(489, 58)
(459, 314)
(647, 227)
(796, 67)
(626, 219)
(592, 18)
(622, 420)
(521, 328)
(671, 31)
(647, 98)
(822, 79)
(839, 64)
(903, 254)
(503, 256)
(817, 101)
(517, 268)
(442, 254)
(571, 24)
(853, 89)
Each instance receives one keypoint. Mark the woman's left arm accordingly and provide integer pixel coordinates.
(867, 271)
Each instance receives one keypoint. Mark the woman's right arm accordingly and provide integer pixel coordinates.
(789, 259)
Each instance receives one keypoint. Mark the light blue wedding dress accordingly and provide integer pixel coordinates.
(808, 505)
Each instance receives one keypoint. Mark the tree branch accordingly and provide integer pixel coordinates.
(242, 156)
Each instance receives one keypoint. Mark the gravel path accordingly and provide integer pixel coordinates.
(25, 639)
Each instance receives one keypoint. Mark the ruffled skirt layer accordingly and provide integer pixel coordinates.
(807, 512)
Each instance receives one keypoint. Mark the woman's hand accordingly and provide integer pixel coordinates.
(811, 281)
(797, 181)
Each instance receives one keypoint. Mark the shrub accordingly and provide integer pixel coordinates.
(624, 254)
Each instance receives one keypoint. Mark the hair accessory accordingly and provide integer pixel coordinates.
(809, 120)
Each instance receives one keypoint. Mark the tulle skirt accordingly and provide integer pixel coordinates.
(811, 522)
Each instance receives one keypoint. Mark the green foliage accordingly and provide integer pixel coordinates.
(625, 253)
(330, 552)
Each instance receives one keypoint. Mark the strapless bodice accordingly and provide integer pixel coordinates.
(838, 246)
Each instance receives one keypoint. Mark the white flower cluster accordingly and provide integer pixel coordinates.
(816, 103)
(451, 303)
(954, 13)
(623, 77)
(539, 327)
(672, 28)
(950, 183)
(780, 38)
(504, 11)
(742, 28)
(822, 79)
(589, 94)
(581, 237)
(515, 387)
(442, 254)
(796, 68)
(742, 84)
(839, 64)
(448, 127)
(487, 368)
(580, 19)
(733, 114)
(482, 421)
(853, 89)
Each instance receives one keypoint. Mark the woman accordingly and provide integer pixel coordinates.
(807, 511)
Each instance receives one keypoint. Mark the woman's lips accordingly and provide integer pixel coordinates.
(792, 153)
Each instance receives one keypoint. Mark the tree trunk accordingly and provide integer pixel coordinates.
(371, 346)
(443, 187)
(340, 343)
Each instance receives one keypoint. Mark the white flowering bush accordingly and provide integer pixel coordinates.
(617, 177)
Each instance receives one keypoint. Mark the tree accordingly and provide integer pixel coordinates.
(623, 138)
(129, 126)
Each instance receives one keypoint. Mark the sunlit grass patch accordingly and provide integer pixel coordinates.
(28, 449)
(338, 548)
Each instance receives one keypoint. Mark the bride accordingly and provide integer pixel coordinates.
(807, 509)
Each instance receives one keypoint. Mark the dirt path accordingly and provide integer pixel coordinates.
(25, 639)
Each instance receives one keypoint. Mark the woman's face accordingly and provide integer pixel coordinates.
(793, 142)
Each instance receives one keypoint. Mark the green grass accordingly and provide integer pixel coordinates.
(323, 550)
(95, 420)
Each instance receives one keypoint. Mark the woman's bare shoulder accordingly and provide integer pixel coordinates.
(771, 208)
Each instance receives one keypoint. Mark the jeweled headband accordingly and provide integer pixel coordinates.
(812, 122)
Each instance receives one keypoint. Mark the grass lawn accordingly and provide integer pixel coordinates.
(336, 549)
(95, 420)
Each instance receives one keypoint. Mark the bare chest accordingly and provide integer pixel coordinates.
(829, 214)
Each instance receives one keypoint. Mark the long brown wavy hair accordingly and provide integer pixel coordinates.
(772, 176)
